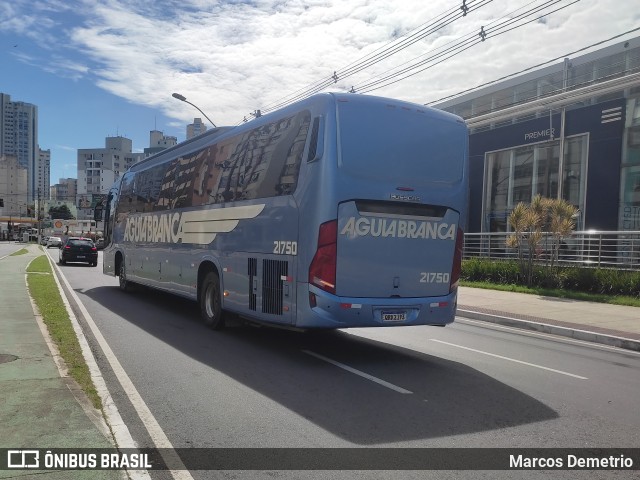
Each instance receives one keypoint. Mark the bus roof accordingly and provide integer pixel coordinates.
(195, 143)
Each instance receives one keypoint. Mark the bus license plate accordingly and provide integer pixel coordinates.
(394, 316)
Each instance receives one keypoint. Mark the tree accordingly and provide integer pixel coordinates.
(562, 217)
(62, 212)
(527, 234)
(555, 217)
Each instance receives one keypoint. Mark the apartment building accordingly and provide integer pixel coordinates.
(99, 168)
(196, 128)
(19, 138)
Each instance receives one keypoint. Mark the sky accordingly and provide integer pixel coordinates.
(100, 68)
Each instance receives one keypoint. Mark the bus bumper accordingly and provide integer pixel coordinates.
(324, 310)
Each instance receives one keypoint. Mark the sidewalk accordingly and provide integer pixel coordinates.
(613, 325)
(38, 407)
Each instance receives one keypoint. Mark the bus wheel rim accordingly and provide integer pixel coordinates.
(210, 299)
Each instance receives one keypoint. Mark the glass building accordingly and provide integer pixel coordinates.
(570, 130)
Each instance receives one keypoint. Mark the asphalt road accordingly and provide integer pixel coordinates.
(466, 385)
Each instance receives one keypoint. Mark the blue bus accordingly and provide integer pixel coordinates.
(340, 210)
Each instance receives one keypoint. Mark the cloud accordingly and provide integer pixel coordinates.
(66, 148)
(231, 58)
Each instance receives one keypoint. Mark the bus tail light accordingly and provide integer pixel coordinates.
(457, 260)
(322, 272)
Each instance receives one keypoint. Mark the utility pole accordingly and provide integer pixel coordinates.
(38, 215)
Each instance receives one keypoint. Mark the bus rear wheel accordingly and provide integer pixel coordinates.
(125, 285)
(210, 305)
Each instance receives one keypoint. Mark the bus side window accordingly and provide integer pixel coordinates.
(126, 205)
(107, 219)
(316, 142)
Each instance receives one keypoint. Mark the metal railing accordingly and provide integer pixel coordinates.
(605, 249)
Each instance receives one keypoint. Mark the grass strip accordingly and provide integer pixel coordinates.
(556, 292)
(20, 252)
(44, 291)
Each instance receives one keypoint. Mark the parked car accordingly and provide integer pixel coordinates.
(44, 240)
(78, 249)
(54, 242)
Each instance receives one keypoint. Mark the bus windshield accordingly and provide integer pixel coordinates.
(400, 145)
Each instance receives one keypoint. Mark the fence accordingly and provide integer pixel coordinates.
(606, 249)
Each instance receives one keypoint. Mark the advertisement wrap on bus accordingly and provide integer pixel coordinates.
(338, 211)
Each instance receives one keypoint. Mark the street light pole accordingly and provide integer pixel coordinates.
(183, 99)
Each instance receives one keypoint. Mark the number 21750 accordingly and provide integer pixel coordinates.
(433, 277)
(285, 248)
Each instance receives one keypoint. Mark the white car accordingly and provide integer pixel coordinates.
(54, 242)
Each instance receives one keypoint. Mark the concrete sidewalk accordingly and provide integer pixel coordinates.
(39, 408)
(613, 325)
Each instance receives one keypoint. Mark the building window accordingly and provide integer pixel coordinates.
(629, 215)
(518, 174)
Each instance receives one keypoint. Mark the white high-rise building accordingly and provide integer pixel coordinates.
(19, 138)
(13, 187)
(158, 142)
(44, 173)
(196, 128)
(65, 190)
(99, 168)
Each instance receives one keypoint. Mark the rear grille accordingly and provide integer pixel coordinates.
(272, 291)
(253, 272)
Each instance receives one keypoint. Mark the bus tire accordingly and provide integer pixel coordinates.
(125, 285)
(210, 303)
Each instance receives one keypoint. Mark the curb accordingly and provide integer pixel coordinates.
(577, 334)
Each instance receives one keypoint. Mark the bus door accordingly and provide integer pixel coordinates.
(388, 249)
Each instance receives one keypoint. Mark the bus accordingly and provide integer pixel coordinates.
(340, 210)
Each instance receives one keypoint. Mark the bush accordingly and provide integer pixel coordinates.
(580, 279)
(485, 270)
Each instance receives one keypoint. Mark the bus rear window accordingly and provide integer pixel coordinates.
(400, 145)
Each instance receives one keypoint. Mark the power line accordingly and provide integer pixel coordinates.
(442, 20)
(463, 45)
(494, 29)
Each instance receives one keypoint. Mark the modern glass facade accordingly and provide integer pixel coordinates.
(570, 130)
(629, 212)
(518, 174)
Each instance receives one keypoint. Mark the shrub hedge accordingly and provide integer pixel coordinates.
(581, 279)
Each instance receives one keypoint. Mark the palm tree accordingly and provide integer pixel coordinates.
(562, 222)
(529, 224)
(525, 222)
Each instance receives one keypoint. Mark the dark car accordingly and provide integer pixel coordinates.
(78, 249)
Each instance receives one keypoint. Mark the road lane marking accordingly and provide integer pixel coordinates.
(158, 437)
(511, 359)
(358, 372)
(546, 336)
